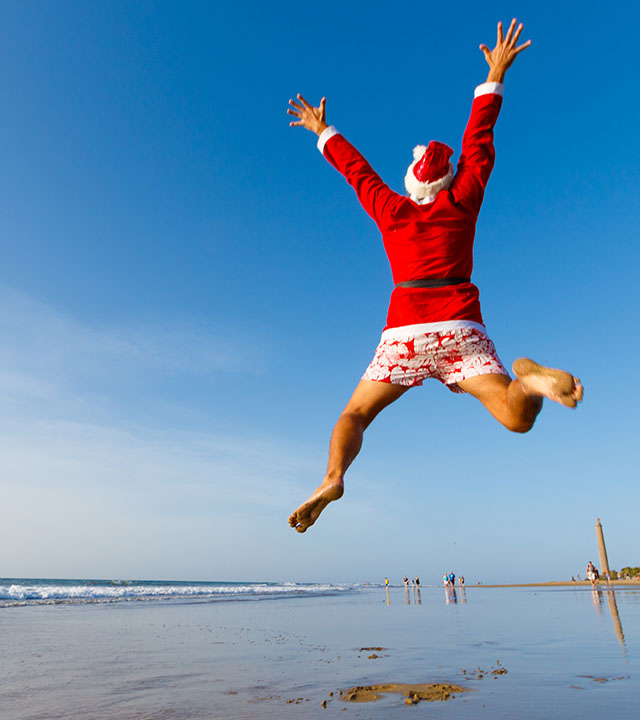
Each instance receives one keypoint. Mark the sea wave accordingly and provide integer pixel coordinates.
(37, 592)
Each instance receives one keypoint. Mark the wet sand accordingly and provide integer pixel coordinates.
(413, 694)
(602, 585)
(525, 652)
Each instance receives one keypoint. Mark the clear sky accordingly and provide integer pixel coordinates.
(189, 292)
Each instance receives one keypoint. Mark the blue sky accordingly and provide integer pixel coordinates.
(189, 292)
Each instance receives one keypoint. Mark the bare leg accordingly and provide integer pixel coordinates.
(368, 399)
(516, 403)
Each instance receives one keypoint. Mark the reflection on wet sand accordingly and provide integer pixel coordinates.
(415, 591)
(597, 597)
(450, 596)
(615, 616)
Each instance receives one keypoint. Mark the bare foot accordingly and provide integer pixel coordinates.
(557, 385)
(309, 511)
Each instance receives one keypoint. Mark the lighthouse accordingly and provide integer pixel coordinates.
(602, 548)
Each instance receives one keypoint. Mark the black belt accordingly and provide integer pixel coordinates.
(432, 282)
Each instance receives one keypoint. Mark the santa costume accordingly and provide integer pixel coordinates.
(434, 324)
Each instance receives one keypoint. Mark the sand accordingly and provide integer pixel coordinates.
(602, 585)
(527, 652)
(413, 694)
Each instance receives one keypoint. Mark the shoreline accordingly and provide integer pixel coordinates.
(560, 583)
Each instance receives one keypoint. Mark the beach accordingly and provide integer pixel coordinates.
(325, 651)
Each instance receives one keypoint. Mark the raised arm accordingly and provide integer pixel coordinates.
(478, 155)
(375, 197)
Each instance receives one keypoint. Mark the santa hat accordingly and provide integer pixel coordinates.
(430, 171)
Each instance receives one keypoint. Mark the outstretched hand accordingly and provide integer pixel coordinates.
(504, 53)
(311, 118)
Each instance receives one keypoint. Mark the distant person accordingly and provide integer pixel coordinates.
(461, 580)
(386, 582)
(417, 581)
(406, 581)
(434, 325)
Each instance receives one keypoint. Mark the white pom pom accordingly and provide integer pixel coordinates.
(419, 151)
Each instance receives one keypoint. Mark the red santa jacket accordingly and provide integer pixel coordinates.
(434, 239)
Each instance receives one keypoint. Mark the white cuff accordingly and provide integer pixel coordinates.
(489, 88)
(325, 135)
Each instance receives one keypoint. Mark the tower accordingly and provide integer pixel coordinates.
(602, 548)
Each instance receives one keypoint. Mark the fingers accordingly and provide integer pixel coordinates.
(513, 35)
(516, 35)
(306, 105)
(486, 51)
(510, 31)
(296, 110)
(308, 116)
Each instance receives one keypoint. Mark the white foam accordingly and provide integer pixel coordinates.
(47, 591)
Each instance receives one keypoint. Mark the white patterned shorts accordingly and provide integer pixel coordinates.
(449, 355)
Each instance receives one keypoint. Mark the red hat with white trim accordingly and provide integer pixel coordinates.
(430, 171)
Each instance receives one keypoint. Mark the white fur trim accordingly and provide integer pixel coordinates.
(325, 135)
(419, 151)
(420, 190)
(489, 88)
(408, 331)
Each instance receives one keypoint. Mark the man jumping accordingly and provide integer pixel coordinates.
(434, 324)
